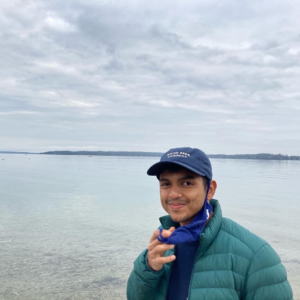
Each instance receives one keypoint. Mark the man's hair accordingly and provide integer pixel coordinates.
(173, 168)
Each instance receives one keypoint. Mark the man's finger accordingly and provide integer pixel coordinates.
(154, 241)
(157, 243)
(166, 259)
(172, 229)
(167, 233)
(154, 236)
(160, 249)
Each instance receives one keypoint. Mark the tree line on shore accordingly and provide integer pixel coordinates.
(262, 156)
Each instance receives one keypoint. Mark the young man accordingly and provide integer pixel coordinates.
(196, 253)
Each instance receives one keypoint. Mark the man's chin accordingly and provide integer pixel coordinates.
(182, 220)
(177, 219)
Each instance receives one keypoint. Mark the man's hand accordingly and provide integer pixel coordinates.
(157, 250)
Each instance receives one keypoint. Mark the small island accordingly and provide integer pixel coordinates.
(260, 156)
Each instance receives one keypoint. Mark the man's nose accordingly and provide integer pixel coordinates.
(174, 193)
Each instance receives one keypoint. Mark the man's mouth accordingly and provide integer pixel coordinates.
(177, 205)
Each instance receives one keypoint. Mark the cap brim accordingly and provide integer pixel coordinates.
(155, 170)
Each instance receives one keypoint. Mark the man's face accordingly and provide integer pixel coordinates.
(182, 194)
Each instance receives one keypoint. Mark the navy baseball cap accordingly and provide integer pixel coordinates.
(192, 159)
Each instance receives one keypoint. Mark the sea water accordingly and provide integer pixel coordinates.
(71, 226)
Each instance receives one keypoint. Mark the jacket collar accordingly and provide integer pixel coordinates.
(210, 231)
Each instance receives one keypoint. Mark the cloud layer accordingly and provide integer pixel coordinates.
(148, 76)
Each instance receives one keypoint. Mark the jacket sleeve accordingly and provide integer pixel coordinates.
(143, 282)
(267, 278)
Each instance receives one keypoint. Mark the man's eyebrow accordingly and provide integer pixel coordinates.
(163, 179)
(182, 178)
(188, 177)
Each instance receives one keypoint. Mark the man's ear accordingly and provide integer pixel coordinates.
(212, 189)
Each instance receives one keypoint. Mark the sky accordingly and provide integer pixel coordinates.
(222, 76)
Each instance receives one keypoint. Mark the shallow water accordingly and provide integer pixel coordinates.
(71, 226)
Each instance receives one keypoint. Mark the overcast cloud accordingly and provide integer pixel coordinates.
(223, 76)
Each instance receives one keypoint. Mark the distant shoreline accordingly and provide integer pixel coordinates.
(259, 156)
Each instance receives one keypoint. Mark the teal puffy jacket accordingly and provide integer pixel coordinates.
(231, 263)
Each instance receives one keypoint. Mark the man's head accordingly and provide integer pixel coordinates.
(184, 174)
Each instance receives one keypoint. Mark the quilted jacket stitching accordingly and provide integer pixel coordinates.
(243, 241)
(267, 286)
(225, 254)
(231, 272)
(249, 275)
(264, 269)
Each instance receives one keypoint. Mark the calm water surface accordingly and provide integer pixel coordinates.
(71, 226)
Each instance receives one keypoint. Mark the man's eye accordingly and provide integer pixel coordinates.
(187, 183)
(164, 184)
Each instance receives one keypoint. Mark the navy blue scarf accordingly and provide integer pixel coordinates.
(189, 233)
